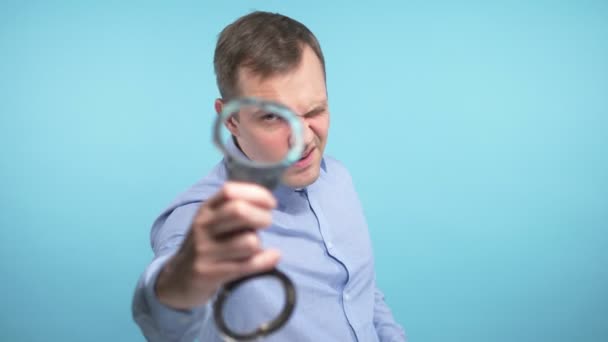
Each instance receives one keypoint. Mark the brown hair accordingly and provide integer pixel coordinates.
(266, 43)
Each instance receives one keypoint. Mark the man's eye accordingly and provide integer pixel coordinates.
(270, 117)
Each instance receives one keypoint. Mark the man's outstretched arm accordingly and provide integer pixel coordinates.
(157, 321)
(198, 248)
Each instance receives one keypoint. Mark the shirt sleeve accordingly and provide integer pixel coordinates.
(157, 321)
(387, 329)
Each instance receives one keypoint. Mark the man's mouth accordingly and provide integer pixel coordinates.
(306, 158)
(306, 153)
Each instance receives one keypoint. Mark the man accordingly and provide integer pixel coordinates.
(313, 220)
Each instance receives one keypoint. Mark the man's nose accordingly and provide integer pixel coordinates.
(308, 134)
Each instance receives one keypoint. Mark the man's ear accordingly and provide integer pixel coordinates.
(219, 105)
(232, 122)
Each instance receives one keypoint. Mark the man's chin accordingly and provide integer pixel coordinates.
(301, 179)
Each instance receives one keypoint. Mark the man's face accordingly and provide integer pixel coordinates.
(303, 91)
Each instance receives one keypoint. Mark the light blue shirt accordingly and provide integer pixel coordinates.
(325, 249)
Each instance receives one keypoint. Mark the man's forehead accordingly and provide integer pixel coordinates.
(301, 88)
(303, 104)
(299, 96)
(316, 104)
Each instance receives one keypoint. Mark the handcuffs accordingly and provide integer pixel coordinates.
(268, 175)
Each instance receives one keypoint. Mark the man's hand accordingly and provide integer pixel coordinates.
(222, 245)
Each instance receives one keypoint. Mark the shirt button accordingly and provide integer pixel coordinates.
(330, 245)
(346, 296)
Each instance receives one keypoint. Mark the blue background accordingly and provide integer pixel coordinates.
(476, 133)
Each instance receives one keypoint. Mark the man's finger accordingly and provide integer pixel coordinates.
(260, 262)
(237, 247)
(238, 215)
(254, 193)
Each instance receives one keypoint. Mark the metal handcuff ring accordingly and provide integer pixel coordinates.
(269, 176)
